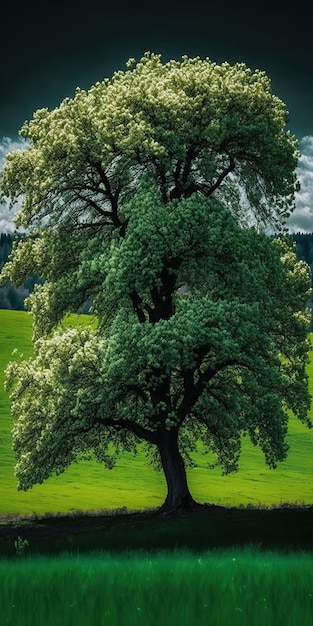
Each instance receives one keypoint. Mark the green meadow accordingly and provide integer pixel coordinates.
(133, 483)
(151, 571)
(220, 587)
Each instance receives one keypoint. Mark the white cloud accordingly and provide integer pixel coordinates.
(6, 214)
(302, 218)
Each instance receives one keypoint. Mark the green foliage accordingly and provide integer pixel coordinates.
(13, 297)
(184, 122)
(136, 193)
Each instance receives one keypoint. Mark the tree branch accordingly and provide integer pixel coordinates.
(193, 390)
(94, 205)
(137, 306)
(162, 178)
(112, 195)
(191, 153)
(122, 424)
(209, 190)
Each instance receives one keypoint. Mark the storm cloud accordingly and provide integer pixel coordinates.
(301, 219)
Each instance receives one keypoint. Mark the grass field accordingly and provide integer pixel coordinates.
(242, 588)
(132, 483)
(154, 571)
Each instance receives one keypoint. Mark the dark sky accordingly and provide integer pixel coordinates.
(48, 48)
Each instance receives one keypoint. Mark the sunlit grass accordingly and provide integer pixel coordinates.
(241, 588)
(134, 484)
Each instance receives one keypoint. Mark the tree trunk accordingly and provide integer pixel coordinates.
(178, 497)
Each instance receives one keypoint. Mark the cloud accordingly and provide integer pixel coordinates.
(301, 219)
(6, 214)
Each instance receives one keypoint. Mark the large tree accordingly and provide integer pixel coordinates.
(149, 193)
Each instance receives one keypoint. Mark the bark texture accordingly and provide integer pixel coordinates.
(179, 498)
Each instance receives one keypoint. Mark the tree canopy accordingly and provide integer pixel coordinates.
(149, 193)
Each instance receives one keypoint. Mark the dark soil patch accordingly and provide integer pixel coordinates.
(286, 528)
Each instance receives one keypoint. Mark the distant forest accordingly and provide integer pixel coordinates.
(13, 297)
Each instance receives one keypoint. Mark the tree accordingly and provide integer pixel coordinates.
(149, 193)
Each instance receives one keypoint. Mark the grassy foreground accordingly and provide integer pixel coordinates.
(219, 588)
(134, 484)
